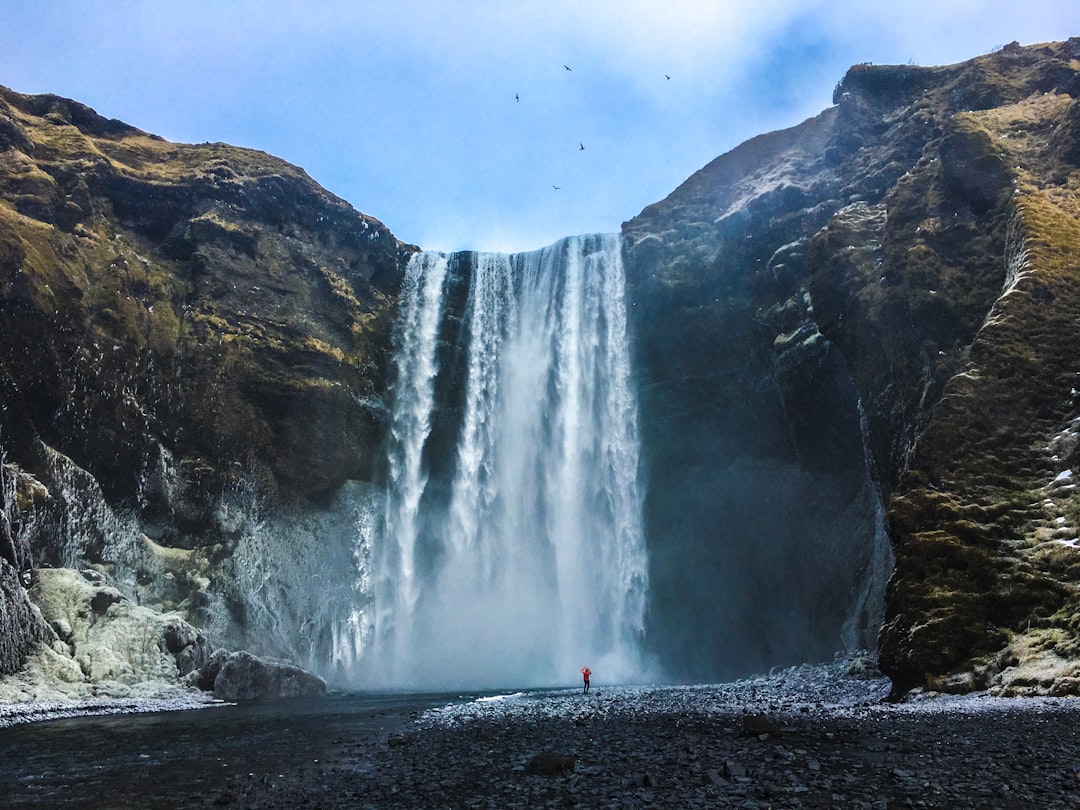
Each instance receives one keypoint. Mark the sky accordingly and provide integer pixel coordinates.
(460, 125)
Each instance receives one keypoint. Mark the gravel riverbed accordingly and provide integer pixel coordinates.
(810, 736)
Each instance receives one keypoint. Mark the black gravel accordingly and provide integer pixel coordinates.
(807, 737)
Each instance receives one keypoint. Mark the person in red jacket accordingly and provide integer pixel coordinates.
(585, 673)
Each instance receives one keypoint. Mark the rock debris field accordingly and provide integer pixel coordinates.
(811, 736)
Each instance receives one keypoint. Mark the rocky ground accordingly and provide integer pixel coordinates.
(804, 737)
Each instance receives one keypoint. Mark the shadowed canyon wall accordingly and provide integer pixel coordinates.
(909, 254)
(854, 345)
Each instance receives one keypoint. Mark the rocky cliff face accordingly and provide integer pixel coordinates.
(196, 300)
(907, 261)
(183, 327)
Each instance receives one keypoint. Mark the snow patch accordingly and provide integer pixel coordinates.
(494, 698)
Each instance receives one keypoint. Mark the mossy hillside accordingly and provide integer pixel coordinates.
(205, 300)
(990, 447)
(877, 232)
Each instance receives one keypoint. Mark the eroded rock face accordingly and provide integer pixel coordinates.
(97, 643)
(21, 626)
(108, 637)
(855, 338)
(176, 315)
(923, 234)
(183, 327)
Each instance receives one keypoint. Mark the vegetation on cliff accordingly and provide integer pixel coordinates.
(179, 322)
(203, 302)
(924, 232)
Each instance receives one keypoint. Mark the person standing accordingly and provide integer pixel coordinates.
(585, 673)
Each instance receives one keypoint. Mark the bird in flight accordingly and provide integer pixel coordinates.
(517, 97)
(556, 187)
(666, 76)
(581, 147)
(567, 67)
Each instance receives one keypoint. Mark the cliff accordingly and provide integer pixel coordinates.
(891, 287)
(180, 324)
(200, 296)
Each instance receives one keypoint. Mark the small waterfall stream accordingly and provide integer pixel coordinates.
(520, 558)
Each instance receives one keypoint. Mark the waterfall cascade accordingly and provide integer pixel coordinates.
(511, 550)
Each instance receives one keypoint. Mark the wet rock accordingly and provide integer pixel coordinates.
(733, 769)
(716, 779)
(245, 677)
(755, 725)
(208, 672)
(643, 779)
(21, 626)
(549, 763)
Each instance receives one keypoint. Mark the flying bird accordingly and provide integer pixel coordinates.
(567, 67)
(556, 187)
(666, 76)
(517, 97)
(581, 147)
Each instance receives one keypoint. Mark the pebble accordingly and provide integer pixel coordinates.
(832, 740)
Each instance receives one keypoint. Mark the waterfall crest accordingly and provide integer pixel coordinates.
(511, 550)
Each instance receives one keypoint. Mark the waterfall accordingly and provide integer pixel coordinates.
(396, 586)
(511, 552)
(860, 631)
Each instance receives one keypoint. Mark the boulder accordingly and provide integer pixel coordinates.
(549, 763)
(246, 677)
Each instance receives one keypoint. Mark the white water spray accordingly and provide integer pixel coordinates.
(528, 560)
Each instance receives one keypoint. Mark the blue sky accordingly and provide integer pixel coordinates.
(407, 108)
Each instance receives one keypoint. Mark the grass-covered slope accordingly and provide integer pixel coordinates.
(200, 306)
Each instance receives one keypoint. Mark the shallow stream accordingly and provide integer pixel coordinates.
(178, 758)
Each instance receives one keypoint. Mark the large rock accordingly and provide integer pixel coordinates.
(110, 638)
(245, 677)
(97, 643)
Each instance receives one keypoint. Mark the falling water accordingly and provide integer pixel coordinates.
(517, 556)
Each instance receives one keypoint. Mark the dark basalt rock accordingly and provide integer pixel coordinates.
(908, 255)
(245, 677)
(21, 626)
(549, 763)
